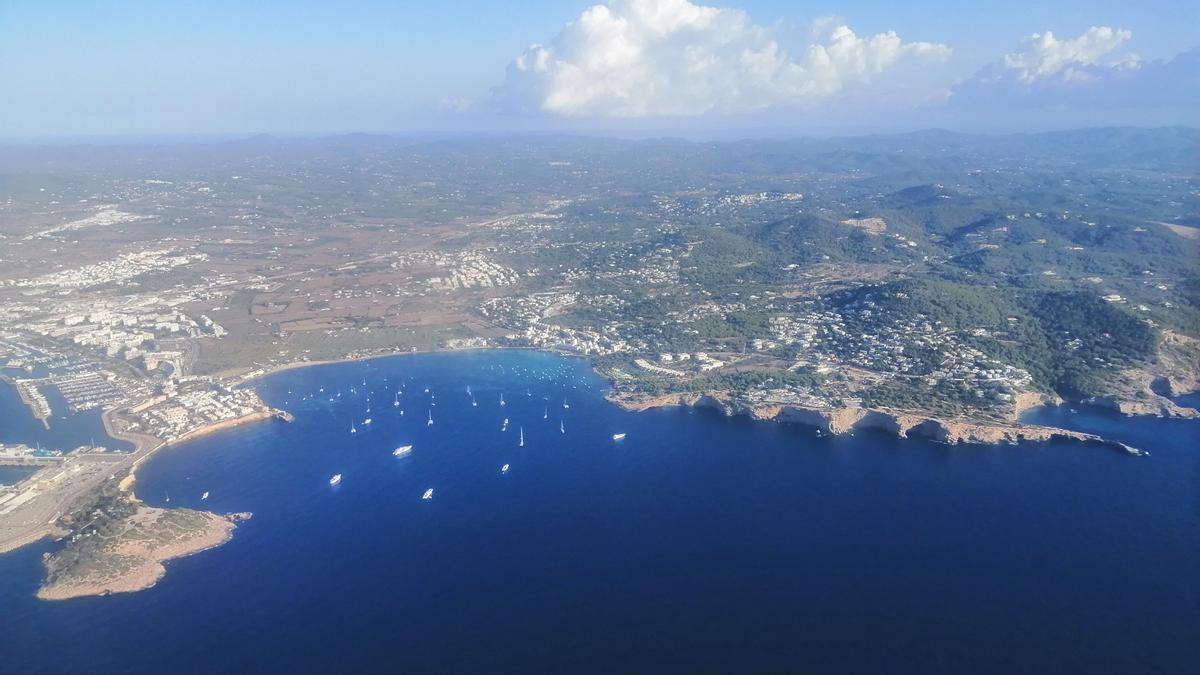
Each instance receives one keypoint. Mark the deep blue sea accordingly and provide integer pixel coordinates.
(698, 544)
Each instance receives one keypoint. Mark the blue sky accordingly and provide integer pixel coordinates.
(96, 68)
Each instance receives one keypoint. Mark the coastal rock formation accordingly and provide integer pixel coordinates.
(845, 420)
(1156, 406)
(127, 554)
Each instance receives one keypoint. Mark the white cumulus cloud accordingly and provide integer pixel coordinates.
(646, 58)
(1087, 79)
(1042, 55)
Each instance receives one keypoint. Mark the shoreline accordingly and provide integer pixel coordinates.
(1004, 431)
(144, 447)
(150, 559)
(901, 424)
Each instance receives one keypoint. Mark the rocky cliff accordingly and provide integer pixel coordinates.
(845, 420)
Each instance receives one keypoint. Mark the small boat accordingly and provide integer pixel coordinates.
(204, 496)
(502, 400)
(430, 422)
(546, 413)
(473, 403)
(504, 426)
(561, 428)
(618, 437)
(396, 402)
(565, 404)
(337, 478)
(402, 450)
(428, 494)
(367, 422)
(504, 469)
(521, 443)
(352, 429)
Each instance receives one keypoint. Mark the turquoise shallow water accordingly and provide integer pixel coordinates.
(699, 543)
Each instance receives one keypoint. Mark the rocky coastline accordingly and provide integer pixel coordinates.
(849, 419)
(131, 555)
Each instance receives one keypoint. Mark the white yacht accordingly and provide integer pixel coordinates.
(204, 496)
(337, 478)
(352, 429)
(504, 469)
(367, 422)
(428, 494)
(521, 443)
(430, 422)
(561, 428)
(402, 450)
(618, 437)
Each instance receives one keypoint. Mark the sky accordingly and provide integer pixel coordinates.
(709, 67)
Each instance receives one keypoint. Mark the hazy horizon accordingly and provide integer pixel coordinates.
(736, 68)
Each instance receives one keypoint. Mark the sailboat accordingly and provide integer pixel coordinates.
(204, 496)
(546, 413)
(396, 402)
(565, 404)
(352, 429)
(428, 494)
(561, 428)
(521, 443)
(502, 400)
(402, 450)
(504, 469)
(430, 422)
(473, 403)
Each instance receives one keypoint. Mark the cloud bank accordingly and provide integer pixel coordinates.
(674, 58)
(1086, 73)
(1044, 56)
